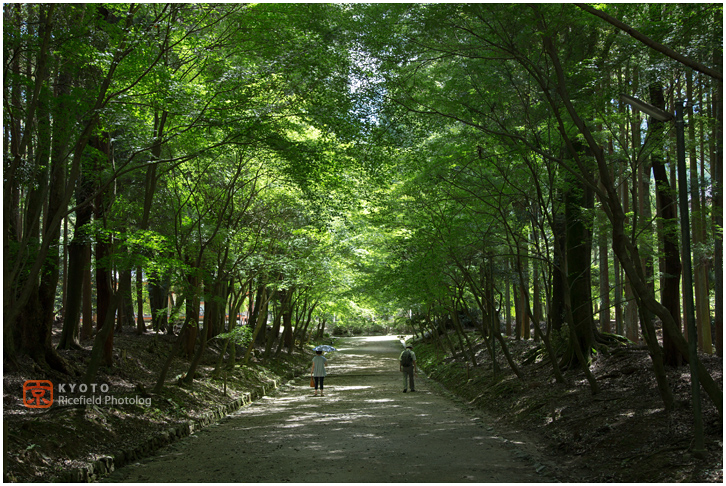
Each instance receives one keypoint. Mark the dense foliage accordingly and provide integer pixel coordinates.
(312, 168)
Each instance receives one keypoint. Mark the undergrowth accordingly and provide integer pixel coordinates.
(622, 434)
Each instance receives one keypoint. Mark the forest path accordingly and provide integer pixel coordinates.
(363, 430)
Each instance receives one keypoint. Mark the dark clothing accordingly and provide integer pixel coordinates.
(408, 377)
(319, 380)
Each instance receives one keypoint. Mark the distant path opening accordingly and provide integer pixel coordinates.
(364, 430)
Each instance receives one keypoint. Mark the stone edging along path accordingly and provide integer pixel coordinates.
(369, 386)
(104, 465)
(363, 430)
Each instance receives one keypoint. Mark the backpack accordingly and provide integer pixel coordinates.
(406, 358)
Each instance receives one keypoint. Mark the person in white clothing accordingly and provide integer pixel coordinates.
(318, 371)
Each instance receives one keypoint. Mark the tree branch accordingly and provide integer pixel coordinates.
(651, 43)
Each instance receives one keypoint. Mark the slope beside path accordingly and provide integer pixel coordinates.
(363, 430)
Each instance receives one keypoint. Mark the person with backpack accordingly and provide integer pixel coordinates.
(407, 364)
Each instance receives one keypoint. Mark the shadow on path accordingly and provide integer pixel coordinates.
(363, 430)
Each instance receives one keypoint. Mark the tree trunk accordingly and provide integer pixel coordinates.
(256, 320)
(30, 273)
(149, 191)
(177, 346)
(667, 213)
(264, 317)
(545, 341)
(287, 335)
(60, 145)
(158, 288)
(35, 326)
(203, 338)
(87, 304)
(78, 268)
(580, 357)
(126, 307)
(508, 300)
(717, 205)
(460, 330)
(299, 320)
(700, 275)
(656, 357)
(304, 335)
(99, 344)
(492, 326)
(578, 250)
(523, 265)
(604, 273)
(630, 316)
(275, 333)
(625, 251)
(50, 272)
(645, 227)
(537, 279)
(103, 253)
(103, 295)
(517, 311)
(192, 315)
(537, 303)
(256, 309)
(140, 324)
(557, 310)
(236, 308)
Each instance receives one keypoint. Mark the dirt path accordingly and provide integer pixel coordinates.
(364, 430)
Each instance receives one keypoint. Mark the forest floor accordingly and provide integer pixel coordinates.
(620, 435)
(47, 444)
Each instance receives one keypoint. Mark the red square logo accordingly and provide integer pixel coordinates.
(38, 393)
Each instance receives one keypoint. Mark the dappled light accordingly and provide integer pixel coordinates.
(363, 418)
(198, 196)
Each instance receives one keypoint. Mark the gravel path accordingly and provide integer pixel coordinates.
(363, 430)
